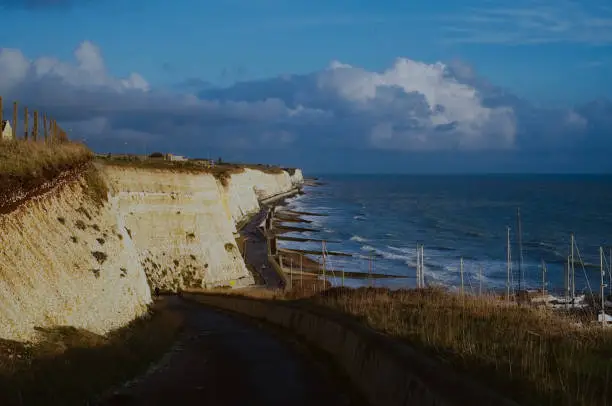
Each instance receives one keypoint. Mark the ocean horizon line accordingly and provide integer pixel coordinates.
(473, 174)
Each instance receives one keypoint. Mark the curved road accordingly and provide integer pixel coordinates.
(225, 360)
(257, 251)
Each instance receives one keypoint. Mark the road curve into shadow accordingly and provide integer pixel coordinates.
(225, 360)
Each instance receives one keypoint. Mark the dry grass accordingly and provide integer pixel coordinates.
(95, 187)
(531, 355)
(71, 367)
(26, 159)
(220, 171)
(26, 165)
(265, 168)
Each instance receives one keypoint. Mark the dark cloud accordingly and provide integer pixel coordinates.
(422, 117)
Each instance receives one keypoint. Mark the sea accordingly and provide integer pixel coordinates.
(380, 219)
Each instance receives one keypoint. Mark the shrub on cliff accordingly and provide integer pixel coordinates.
(95, 186)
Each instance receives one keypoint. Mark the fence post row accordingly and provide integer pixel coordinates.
(14, 120)
(50, 130)
(35, 129)
(25, 122)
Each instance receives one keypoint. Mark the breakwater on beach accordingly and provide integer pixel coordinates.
(380, 219)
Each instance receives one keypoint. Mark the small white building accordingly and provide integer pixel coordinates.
(6, 131)
(172, 157)
(207, 163)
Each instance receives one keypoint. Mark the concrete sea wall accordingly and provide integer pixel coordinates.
(387, 373)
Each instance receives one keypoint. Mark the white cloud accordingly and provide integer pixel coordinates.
(82, 92)
(575, 119)
(13, 68)
(89, 71)
(411, 106)
(447, 113)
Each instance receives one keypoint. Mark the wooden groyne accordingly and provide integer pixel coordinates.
(302, 239)
(295, 265)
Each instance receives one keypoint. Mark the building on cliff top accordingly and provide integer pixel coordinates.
(207, 163)
(6, 131)
(172, 157)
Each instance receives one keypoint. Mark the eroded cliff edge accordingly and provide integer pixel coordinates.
(69, 258)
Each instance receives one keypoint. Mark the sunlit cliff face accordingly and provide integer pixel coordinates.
(66, 260)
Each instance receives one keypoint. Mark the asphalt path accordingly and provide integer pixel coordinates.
(225, 360)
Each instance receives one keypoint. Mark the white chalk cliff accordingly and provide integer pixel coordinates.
(66, 260)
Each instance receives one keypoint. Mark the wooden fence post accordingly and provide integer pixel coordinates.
(35, 129)
(45, 125)
(14, 120)
(25, 122)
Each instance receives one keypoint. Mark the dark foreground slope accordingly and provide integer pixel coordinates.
(223, 360)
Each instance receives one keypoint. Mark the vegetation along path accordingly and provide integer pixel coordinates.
(225, 360)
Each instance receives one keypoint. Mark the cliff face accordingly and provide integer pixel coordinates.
(67, 260)
(183, 224)
(244, 190)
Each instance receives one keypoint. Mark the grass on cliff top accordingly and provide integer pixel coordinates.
(73, 367)
(25, 159)
(221, 171)
(531, 355)
(27, 164)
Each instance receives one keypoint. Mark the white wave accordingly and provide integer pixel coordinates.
(318, 209)
(358, 238)
(387, 254)
(405, 250)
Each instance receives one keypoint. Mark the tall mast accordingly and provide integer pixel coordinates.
(543, 277)
(418, 267)
(480, 280)
(461, 272)
(520, 241)
(573, 273)
(370, 271)
(508, 265)
(323, 257)
(567, 280)
(602, 286)
(422, 262)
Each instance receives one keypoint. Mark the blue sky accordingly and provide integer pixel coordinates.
(552, 57)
